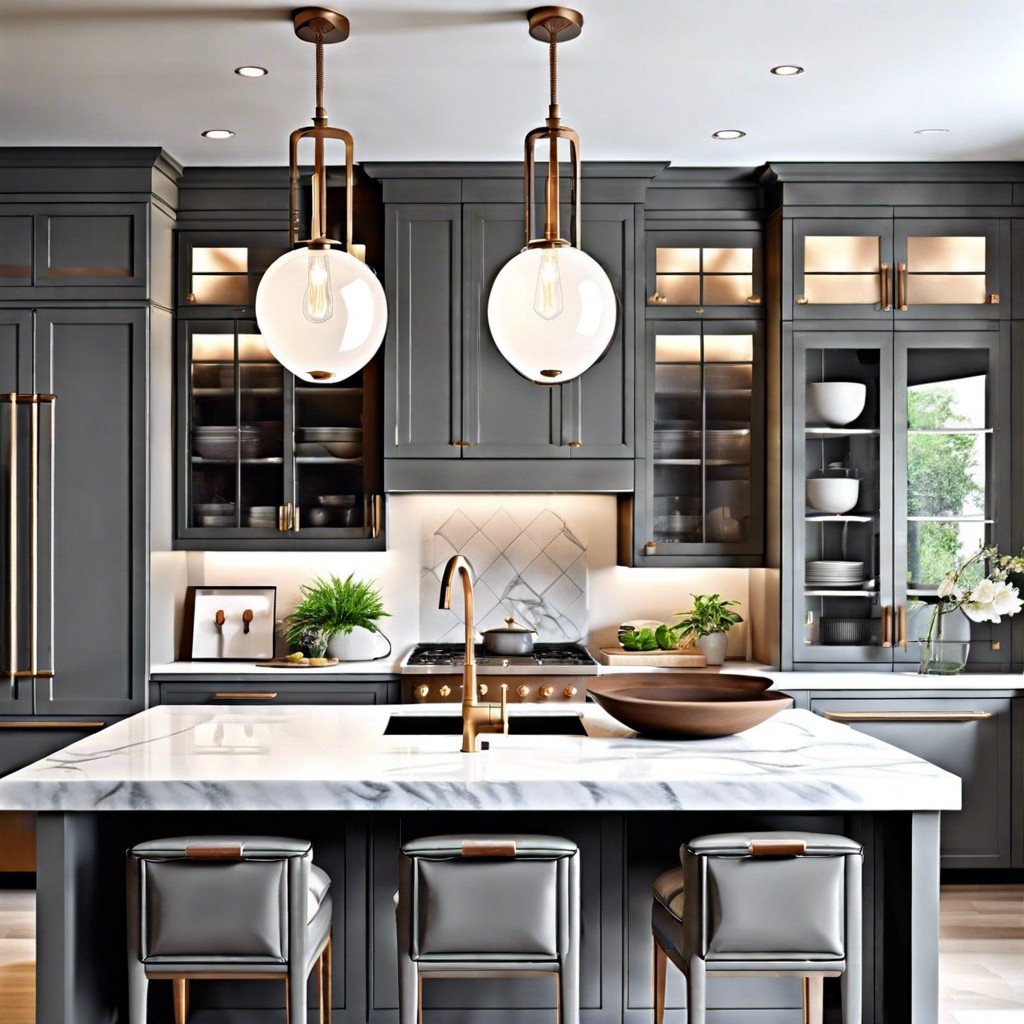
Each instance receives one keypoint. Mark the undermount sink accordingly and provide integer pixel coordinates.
(518, 725)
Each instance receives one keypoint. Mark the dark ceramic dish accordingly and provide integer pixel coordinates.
(694, 705)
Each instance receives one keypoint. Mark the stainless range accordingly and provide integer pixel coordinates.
(432, 673)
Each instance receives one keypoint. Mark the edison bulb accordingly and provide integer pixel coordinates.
(317, 304)
(547, 298)
(291, 301)
(552, 349)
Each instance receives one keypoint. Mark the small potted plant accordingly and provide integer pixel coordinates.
(707, 625)
(345, 612)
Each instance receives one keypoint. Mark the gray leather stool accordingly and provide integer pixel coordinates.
(476, 905)
(227, 907)
(778, 903)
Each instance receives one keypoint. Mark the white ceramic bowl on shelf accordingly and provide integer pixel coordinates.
(836, 402)
(834, 495)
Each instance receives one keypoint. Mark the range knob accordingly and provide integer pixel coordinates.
(523, 691)
(422, 692)
(445, 690)
(546, 691)
(481, 688)
(569, 692)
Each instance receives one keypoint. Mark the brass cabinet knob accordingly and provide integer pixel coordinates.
(523, 691)
(547, 691)
(993, 300)
(481, 688)
(422, 691)
(570, 691)
(801, 301)
(445, 690)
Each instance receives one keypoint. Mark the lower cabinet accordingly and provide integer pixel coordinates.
(382, 689)
(967, 735)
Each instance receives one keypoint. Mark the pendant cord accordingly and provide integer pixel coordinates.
(321, 28)
(553, 74)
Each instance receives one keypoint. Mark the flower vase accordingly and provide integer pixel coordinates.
(945, 648)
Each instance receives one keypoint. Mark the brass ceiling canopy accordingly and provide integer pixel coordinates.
(561, 22)
(331, 26)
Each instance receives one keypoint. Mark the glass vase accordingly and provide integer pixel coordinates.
(945, 649)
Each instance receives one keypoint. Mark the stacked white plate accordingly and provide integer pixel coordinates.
(220, 442)
(834, 574)
(262, 517)
(341, 442)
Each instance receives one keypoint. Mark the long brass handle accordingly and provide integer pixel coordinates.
(901, 286)
(12, 540)
(377, 514)
(901, 626)
(886, 626)
(33, 547)
(245, 695)
(907, 716)
(883, 274)
(52, 725)
(294, 522)
(51, 401)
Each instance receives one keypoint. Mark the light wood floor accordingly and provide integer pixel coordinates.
(981, 958)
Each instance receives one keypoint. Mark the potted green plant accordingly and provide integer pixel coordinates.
(339, 615)
(707, 625)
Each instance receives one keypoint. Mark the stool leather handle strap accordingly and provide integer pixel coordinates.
(200, 852)
(775, 848)
(484, 848)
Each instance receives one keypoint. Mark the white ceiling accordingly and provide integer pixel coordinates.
(462, 80)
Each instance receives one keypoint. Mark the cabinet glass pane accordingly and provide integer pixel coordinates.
(841, 254)
(948, 450)
(677, 261)
(225, 275)
(678, 289)
(945, 289)
(727, 291)
(708, 276)
(728, 261)
(946, 254)
(842, 289)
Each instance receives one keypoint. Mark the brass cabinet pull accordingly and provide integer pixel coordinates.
(462, 444)
(294, 518)
(883, 275)
(51, 401)
(376, 515)
(907, 716)
(993, 299)
(33, 533)
(52, 725)
(575, 444)
(753, 300)
(245, 695)
(901, 286)
(886, 626)
(802, 300)
(901, 626)
(12, 554)
(286, 515)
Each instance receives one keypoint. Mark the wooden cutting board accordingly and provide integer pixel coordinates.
(656, 659)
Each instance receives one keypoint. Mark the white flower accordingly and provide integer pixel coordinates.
(1006, 600)
(989, 601)
(947, 588)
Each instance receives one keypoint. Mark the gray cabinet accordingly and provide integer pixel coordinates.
(235, 689)
(75, 543)
(968, 735)
(74, 251)
(456, 414)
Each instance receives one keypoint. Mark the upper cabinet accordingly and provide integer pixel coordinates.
(907, 267)
(457, 415)
(218, 275)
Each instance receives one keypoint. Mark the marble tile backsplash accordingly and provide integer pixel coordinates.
(529, 562)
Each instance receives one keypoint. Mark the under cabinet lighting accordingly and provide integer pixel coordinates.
(218, 133)
(931, 131)
(787, 70)
(250, 71)
(728, 133)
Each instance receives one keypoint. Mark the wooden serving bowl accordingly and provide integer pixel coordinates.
(691, 705)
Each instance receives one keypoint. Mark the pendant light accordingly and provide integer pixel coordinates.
(320, 309)
(552, 310)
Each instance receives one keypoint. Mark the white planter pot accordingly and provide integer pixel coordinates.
(359, 645)
(713, 647)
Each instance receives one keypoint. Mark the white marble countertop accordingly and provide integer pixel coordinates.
(320, 757)
(206, 669)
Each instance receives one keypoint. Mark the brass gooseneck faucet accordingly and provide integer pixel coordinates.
(476, 717)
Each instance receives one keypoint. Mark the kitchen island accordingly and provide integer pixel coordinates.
(331, 775)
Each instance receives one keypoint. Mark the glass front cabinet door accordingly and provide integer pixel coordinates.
(881, 269)
(901, 469)
(698, 492)
(267, 461)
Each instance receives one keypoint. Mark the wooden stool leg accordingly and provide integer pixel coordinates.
(660, 978)
(814, 992)
(180, 986)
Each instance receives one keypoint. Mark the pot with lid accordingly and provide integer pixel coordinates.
(510, 639)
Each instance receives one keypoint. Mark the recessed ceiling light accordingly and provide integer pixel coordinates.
(251, 71)
(728, 133)
(931, 131)
(217, 133)
(785, 70)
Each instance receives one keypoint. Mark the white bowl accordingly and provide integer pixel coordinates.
(836, 402)
(834, 495)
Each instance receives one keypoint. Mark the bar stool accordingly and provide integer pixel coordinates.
(227, 907)
(778, 903)
(481, 905)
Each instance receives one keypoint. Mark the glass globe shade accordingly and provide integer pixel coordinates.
(329, 349)
(552, 318)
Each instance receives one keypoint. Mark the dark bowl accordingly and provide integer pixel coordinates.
(694, 705)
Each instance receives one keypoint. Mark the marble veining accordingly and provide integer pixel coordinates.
(336, 758)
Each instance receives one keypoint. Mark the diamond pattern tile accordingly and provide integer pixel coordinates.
(529, 563)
